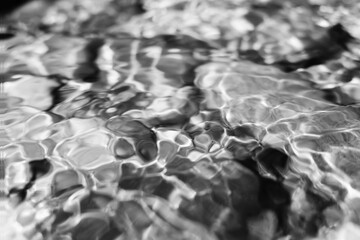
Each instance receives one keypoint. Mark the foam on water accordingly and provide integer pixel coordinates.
(180, 120)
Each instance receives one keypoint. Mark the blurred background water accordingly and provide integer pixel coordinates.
(179, 119)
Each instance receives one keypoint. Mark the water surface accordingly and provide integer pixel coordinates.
(180, 120)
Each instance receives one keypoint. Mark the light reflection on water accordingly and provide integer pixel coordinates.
(179, 120)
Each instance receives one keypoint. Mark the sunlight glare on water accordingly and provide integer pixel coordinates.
(179, 119)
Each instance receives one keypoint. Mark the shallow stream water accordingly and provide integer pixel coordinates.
(180, 119)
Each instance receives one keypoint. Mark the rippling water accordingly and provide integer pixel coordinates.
(179, 119)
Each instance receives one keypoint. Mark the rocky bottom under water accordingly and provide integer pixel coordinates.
(180, 119)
